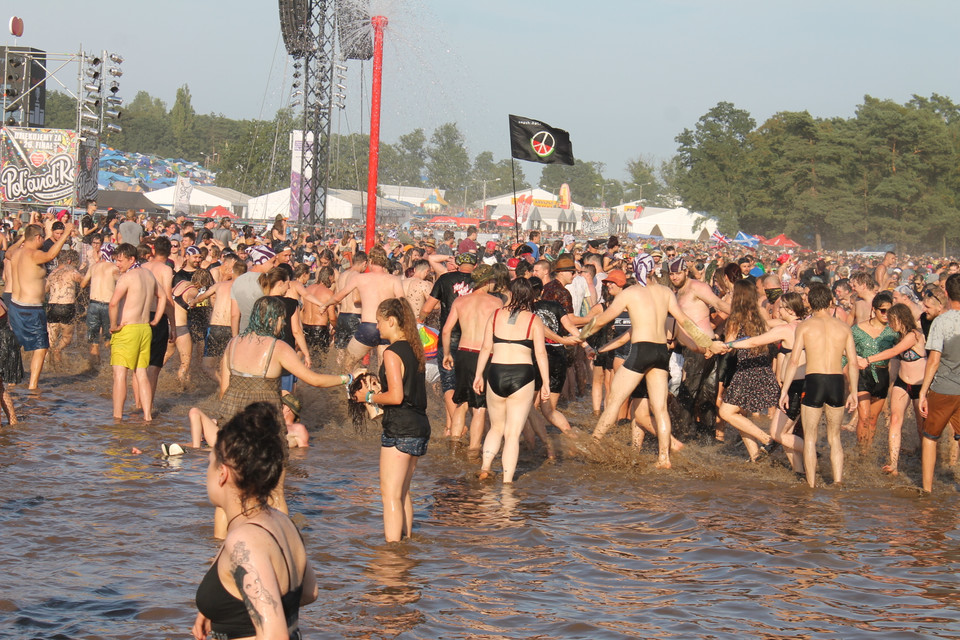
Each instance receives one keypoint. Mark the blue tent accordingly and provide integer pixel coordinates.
(746, 240)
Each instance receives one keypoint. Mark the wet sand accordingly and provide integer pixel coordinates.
(97, 542)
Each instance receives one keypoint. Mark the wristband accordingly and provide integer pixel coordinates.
(369, 397)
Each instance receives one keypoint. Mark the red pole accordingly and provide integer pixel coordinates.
(379, 22)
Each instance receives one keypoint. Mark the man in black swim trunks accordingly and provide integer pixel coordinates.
(649, 358)
(823, 340)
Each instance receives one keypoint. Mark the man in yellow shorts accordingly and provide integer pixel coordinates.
(130, 324)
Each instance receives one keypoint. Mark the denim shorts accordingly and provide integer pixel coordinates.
(411, 446)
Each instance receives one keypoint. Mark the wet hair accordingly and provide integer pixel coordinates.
(605, 296)
(126, 250)
(537, 285)
(264, 315)
(794, 302)
(191, 235)
(239, 268)
(819, 296)
(356, 410)
(864, 279)
(420, 264)
(202, 279)
(161, 247)
(68, 256)
(842, 283)
(613, 241)
(745, 315)
(325, 276)
(270, 278)
(501, 277)
(251, 444)
(300, 269)
(953, 287)
(278, 222)
(247, 231)
(359, 258)
(884, 297)
(903, 316)
(31, 231)
(144, 252)
(378, 257)
(326, 254)
(402, 312)
(521, 295)
(523, 268)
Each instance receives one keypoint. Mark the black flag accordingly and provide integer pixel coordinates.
(539, 142)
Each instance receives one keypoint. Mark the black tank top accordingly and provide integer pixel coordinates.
(408, 419)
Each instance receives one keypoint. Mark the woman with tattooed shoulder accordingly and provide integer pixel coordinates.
(262, 575)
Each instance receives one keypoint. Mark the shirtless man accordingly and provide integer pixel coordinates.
(102, 277)
(62, 286)
(27, 317)
(316, 325)
(137, 291)
(649, 359)
(348, 310)
(471, 312)
(865, 287)
(698, 389)
(374, 287)
(882, 273)
(823, 340)
(160, 332)
(416, 288)
(219, 332)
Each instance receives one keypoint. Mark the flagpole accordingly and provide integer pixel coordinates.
(516, 216)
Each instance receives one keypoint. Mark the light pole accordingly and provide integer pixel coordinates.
(602, 185)
(484, 209)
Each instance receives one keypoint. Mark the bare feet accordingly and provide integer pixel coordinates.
(484, 476)
(662, 463)
(892, 470)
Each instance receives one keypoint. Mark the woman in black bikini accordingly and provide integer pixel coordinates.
(262, 575)
(912, 356)
(512, 342)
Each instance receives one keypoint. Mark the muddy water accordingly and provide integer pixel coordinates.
(96, 542)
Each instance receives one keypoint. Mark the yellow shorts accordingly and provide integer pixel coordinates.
(130, 347)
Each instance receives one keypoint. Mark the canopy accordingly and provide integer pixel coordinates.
(443, 220)
(123, 200)
(781, 241)
(218, 212)
(505, 221)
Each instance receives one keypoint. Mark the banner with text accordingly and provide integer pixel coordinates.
(38, 166)
(595, 223)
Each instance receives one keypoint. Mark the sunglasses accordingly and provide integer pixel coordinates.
(884, 310)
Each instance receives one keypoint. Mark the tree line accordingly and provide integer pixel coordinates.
(888, 175)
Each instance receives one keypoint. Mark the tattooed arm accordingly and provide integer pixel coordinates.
(253, 574)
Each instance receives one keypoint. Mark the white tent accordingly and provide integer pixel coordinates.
(203, 198)
(675, 224)
(410, 195)
(341, 205)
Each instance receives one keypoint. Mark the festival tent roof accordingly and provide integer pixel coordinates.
(123, 200)
(781, 241)
(218, 212)
(505, 221)
(342, 204)
(411, 195)
(443, 220)
(675, 224)
(203, 197)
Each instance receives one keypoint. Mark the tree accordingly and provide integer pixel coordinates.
(643, 183)
(61, 111)
(448, 163)
(585, 180)
(713, 164)
(182, 119)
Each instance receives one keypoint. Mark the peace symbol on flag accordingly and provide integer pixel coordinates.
(543, 143)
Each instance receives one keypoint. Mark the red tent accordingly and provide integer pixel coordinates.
(218, 211)
(505, 221)
(781, 241)
(466, 222)
(443, 220)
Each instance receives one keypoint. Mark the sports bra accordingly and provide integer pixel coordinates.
(228, 614)
(527, 342)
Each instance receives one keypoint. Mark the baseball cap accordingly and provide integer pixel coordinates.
(491, 245)
(617, 277)
(512, 263)
(260, 254)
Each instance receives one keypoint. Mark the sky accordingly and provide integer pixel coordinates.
(623, 77)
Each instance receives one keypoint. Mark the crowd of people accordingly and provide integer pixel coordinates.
(720, 337)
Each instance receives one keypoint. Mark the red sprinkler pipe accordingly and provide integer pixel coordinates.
(379, 22)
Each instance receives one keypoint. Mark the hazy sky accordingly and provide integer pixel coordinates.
(624, 77)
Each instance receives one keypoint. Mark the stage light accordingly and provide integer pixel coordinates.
(89, 131)
(92, 101)
(115, 101)
(92, 88)
(116, 57)
(114, 128)
(116, 72)
(112, 113)
(114, 87)
(90, 116)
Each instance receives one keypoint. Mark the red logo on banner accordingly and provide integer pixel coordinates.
(37, 159)
(523, 207)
